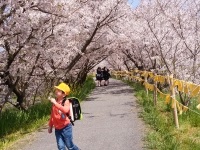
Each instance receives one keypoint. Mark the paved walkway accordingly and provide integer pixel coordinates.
(110, 122)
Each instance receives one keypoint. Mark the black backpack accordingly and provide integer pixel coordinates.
(75, 109)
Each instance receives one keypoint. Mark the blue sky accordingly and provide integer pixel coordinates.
(1, 49)
(134, 3)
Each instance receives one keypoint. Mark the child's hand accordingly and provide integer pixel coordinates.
(50, 130)
(52, 100)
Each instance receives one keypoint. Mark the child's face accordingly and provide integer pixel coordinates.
(59, 93)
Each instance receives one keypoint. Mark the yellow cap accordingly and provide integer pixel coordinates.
(63, 87)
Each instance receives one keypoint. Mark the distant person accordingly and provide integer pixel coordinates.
(106, 76)
(99, 76)
(59, 118)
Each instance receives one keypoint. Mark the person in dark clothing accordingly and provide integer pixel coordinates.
(99, 76)
(106, 76)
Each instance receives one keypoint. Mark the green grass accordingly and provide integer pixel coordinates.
(82, 91)
(15, 123)
(162, 134)
(12, 120)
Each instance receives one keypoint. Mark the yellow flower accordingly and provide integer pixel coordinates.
(198, 106)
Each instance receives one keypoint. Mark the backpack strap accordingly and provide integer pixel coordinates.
(63, 103)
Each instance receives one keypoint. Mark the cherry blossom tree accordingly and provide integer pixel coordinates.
(45, 42)
(163, 36)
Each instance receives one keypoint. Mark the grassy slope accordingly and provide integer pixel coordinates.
(163, 135)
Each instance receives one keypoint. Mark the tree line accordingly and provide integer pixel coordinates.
(45, 42)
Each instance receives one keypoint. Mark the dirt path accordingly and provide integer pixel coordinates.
(110, 122)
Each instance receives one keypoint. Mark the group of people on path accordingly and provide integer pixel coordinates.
(102, 74)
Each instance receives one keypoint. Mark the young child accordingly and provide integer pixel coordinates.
(59, 120)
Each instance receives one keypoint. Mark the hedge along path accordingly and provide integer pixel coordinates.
(110, 121)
